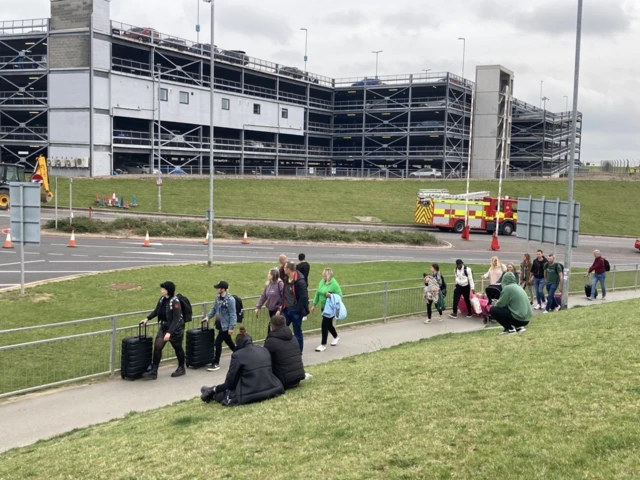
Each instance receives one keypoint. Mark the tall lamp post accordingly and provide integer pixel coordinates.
(306, 43)
(541, 83)
(544, 102)
(211, 131)
(566, 103)
(377, 52)
(464, 52)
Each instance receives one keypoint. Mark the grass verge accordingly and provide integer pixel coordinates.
(193, 229)
(558, 402)
(339, 200)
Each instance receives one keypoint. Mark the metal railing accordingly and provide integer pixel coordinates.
(22, 27)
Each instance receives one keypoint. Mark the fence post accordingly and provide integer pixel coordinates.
(112, 355)
(385, 304)
(613, 286)
(635, 283)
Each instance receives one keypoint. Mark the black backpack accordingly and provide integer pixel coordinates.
(239, 308)
(607, 266)
(185, 305)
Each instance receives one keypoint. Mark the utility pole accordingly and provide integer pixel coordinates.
(377, 52)
(211, 133)
(306, 43)
(464, 52)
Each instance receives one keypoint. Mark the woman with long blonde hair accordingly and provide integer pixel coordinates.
(327, 286)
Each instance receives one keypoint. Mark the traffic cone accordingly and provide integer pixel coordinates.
(126, 205)
(245, 240)
(134, 201)
(147, 242)
(72, 241)
(206, 239)
(7, 242)
(97, 200)
(102, 202)
(495, 245)
(465, 233)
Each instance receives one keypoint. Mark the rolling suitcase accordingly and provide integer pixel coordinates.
(200, 345)
(587, 288)
(136, 354)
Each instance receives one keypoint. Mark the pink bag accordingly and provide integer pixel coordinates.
(462, 306)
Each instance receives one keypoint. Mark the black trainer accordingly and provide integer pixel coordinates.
(207, 394)
(179, 372)
(151, 374)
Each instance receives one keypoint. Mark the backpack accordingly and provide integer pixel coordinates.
(239, 309)
(443, 287)
(185, 306)
(607, 265)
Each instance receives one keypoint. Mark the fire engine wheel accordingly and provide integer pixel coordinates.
(4, 199)
(458, 227)
(507, 229)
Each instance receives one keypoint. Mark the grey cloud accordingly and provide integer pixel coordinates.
(255, 23)
(345, 18)
(410, 22)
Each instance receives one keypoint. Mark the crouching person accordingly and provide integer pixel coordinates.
(286, 359)
(249, 379)
(512, 310)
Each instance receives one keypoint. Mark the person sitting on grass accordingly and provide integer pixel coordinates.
(249, 379)
(286, 359)
(512, 310)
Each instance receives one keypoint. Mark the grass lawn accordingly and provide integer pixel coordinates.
(557, 402)
(340, 200)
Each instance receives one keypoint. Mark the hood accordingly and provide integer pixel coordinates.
(283, 333)
(508, 279)
(243, 341)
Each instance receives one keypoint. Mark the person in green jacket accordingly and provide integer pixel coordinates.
(327, 286)
(512, 310)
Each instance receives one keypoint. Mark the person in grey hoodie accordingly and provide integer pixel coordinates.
(272, 295)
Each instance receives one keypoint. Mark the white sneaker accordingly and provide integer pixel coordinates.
(308, 376)
(440, 318)
(428, 320)
(545, 311)
(335, 341)
(537, 307)
(321, 348)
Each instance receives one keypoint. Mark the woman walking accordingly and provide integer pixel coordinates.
(525, 274)
(494, 274)
(272, 295)
(434, 291)
(327, 286)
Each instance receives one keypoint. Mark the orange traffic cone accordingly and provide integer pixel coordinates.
(72, 241)
(206, 238)
(126, 205)
(465, 233)
(147, 242)
(7, 242)
(245, 240)
(495, 245)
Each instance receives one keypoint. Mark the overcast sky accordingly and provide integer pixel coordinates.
(534, 38)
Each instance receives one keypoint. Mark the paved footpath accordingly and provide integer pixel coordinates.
(29, 418)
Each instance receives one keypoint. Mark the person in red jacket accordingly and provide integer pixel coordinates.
(599, 275)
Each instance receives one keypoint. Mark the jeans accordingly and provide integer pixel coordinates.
(328, 328)
(538, 285)
(223, 336)
(295, 318)
(551, 299)
(598, 277)
(503, 316)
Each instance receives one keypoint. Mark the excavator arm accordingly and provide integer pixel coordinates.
(42, 172)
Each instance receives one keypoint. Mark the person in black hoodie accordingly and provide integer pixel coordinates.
(537, 278)
(170, 329)
(286, 359)
(249, 379)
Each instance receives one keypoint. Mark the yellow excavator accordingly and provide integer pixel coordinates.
(16, 173)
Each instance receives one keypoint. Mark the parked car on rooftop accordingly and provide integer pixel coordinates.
(368, 82)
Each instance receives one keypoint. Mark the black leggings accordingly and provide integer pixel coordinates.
(327, 327)
(429, 305)
(176, 343)
(223, 336)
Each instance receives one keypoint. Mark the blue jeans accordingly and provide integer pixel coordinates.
(551, 299)
(295, 318)
(598, 277)
(538, 284)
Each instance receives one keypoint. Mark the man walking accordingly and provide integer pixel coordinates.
(512, 310)
(224, 311)
(599, 275)
(304, 267)
(553, 277)
(537, 278)
(464, 288)
(295, 306)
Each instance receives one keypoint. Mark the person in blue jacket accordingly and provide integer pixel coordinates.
(224, 311)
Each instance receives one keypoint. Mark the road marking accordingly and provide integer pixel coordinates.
(152, 253)
(139, 244)
(125, 259)
(18, 263)
(56, 254)
(78, 255)
(32, 253)
(51, 271)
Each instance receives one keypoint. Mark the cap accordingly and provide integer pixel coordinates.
(168, 286)
(222, 284)
(459, 262)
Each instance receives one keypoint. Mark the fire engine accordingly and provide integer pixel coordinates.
(440, 209)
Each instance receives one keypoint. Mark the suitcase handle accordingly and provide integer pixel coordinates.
(204, 326)
(140, 335)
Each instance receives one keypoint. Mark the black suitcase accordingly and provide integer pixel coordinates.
(200, 345)
(587, 291)
(137, 353)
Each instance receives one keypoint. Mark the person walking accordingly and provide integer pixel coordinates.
(224, 312)
(512, 310)
(295, 305)
(510, 268)
(537, 278)
(464, 288)
(435, 290)
(303, 267)
(170, 329)
(553, 277)
(525, 276)
(282, 261)
(273, 294)
(326, 287)
(495, 272)
(599, 275)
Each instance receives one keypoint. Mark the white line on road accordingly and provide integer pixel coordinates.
(152, 253)
(50, 271)
(132, 260)
(84, 256)
(18, 263)
(139, 244)
(56, 254)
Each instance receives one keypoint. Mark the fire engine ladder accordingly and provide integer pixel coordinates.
(447, 196)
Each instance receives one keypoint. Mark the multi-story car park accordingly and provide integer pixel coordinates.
(94, 95)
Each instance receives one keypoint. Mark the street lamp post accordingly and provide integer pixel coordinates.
(377, 52)
(566, 103)
(159, 181)
(541, 82)
(572, 160)
(464, 52)
(306, 44)
(211, 132)
(544, 102)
